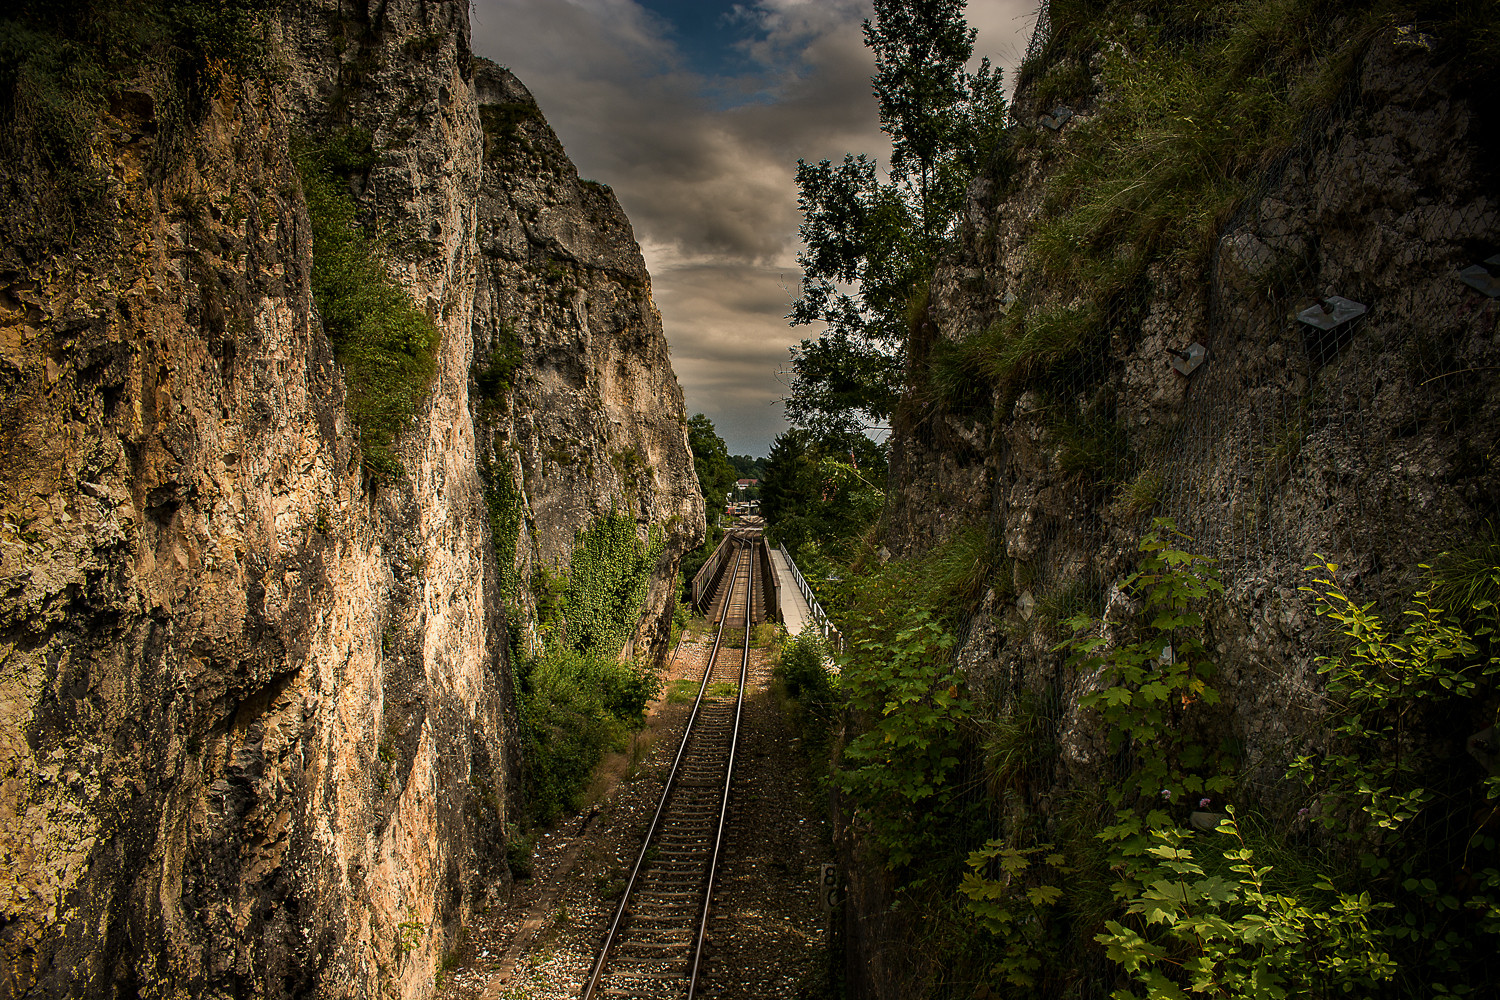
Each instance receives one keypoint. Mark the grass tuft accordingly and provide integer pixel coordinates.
(1140, 495)
(1467, 579)
(1028, 343)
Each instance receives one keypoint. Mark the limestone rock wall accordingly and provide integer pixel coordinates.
(588, 419)
(1374, 445)
(257, 733)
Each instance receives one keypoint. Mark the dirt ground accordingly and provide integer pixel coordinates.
(768, 936)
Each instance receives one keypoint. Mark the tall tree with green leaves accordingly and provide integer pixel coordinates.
(716, 474)
(871, 244)
(822, 490)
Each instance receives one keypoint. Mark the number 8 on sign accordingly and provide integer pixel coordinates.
(828, 887)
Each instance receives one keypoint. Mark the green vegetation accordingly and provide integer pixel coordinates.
(682, 614)
(519, 849)
(1055, 608)
(386, 345)
(1400, 895)
(883, 238)
(1140, 495)
(716, 474)
(905, 771)
(504, 504)
(502, 129)
(1382, 878)
(748, 467)
(901, 766)
(495, 374)
(822, 491)
(410, 932)
(804, 678)
(578, 701)
(1464, 577)
(1373, 868)
(607, 583)
(574, 707)
(682, 690)
(1151, 684)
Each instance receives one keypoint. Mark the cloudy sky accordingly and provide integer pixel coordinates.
(696, 112)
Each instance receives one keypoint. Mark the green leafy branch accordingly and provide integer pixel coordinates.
(1197, 931)
(1149, 686)
(1376, 687)
(896, 769)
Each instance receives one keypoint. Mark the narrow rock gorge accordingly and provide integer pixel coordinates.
(258, 730)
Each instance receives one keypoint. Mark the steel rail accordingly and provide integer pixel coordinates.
(661, 806)
(734, 741)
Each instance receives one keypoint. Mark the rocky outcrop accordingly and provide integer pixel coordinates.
(579, 410)
(256, 726)
(1374, 444)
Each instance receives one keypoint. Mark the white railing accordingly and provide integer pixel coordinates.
(829, 630)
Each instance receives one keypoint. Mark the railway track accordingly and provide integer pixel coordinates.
(655, 943)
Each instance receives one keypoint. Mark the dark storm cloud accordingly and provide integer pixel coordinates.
(692, 173)
(704, 164)
(728, 341)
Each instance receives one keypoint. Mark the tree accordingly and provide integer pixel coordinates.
(716, 475)
(824, 490)
(784, 489)
(748, 466)
(942, 120)
(882, 239)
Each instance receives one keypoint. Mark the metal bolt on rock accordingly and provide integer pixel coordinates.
(1187, 361)
(1055, 120)
(1333, 311)
(1484, 277)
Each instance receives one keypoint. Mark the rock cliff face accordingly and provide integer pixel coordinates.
(1375, 444)
(580, 413)
(256, 726)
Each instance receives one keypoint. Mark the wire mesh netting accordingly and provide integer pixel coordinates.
(1324, 387)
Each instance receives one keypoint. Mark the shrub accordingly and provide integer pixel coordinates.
(899, 771)
(801, 668)
(802, 671)
(386, 345)
(495, 373)
(574, 708)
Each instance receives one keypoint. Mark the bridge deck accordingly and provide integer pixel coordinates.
(794, 611)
